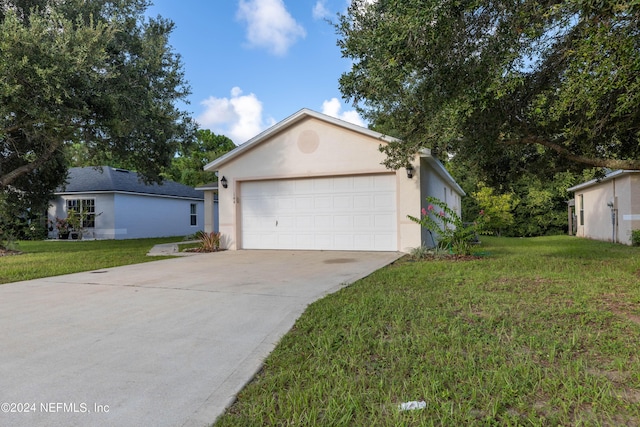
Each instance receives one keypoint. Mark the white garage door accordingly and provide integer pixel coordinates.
(336, 213)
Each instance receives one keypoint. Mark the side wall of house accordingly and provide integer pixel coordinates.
(629, 219)
(594, 216)
(433, 185)
(139, 216)
(622, 204)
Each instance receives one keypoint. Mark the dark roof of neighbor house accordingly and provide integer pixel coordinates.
(105, 179)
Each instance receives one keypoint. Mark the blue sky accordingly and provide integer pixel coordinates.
(252, 63)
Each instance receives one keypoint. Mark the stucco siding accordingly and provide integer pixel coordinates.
(622, 192)
(597, 215)
(622, 202)
(632, 218)
(139, 216)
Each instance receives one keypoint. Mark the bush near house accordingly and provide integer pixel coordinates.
(635, 237)
(454, 235)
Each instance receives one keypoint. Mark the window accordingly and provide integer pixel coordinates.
(581, 198)
(87, 207)
(194, 215)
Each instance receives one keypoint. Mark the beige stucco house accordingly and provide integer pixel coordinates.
(316, 182)
(608, 208)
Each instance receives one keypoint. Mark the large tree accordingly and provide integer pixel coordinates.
(507, 84)
(92, 72)
(188, 166)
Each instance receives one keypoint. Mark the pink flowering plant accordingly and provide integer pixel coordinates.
(453, 235)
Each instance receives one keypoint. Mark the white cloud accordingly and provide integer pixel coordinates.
(238, 117)
(269, 25)
(332, 108)
(320, 10)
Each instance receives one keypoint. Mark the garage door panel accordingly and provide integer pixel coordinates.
(343, 222)
(285, 203)
(364, 183)
(362, 222)
(339, 213)
(343, 202)
(321, 185)
(382, 183)
(384, 201)
(302, 186)
(304, 223)
(363, 202)
(304, 203)
(323, 222)
(323, 203)
(383, 221)
(343, 185)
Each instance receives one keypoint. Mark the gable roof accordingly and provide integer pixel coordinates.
(105, 179)
(289, 121)
(607, 177)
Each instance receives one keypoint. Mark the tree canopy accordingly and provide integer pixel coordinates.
(188, 166)
(506, 84)
(97, 73)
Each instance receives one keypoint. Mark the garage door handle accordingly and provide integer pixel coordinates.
(276, 222)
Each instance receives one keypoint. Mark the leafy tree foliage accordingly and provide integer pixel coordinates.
(96, 73)
(538, 206)
(509, 85)
(495, 208)
(187, 167)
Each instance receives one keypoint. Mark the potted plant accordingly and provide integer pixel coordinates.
(63, 227)
(74, 219)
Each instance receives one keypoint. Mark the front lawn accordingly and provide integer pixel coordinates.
(542, 331)
(52, 258)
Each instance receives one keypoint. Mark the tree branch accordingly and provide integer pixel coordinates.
(9, 177)
(592, 161)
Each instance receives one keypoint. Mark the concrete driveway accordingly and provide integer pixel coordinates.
(166, 343)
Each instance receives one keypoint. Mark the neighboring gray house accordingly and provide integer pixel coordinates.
(119, 205)
(608, 208)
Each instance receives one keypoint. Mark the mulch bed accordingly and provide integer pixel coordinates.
(201, 250)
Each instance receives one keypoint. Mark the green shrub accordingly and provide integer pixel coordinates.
(635, 237)
(453, 235)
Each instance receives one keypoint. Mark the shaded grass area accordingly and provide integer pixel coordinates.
(53, 258)
(541, 332)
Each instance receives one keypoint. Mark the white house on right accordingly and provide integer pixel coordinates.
(608, 208)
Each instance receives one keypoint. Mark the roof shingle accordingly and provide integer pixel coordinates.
(107, 179)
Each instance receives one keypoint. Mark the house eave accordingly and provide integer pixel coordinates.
(607, 177)
(130, 193)
(213, 186)
(425, 153)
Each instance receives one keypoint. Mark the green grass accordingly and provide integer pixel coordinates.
(52, 258)
(539, 332)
